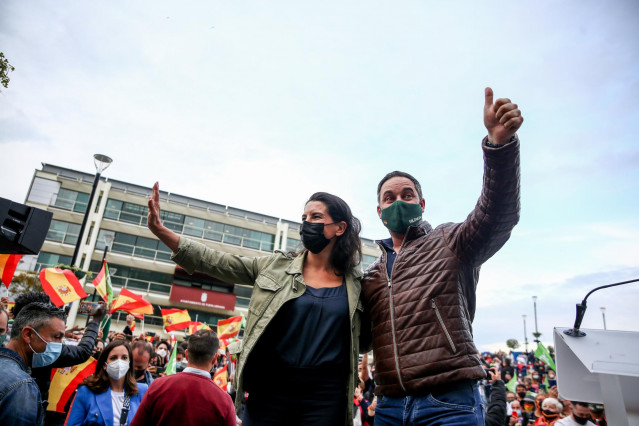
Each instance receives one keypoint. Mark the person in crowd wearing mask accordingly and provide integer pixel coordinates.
(597, 414)
(142, 353)
(550, 410)
(36, 339)
(162, 351)
(552, 378)
(539, 398)
(421, 292)
(68, 356)
(580, 415)
(507, 370)
(529, 408)
(189, 398)
(536, 381)
(4, 325)
(303, 319)
(180, 359)
(520, 390)
(516, 417)
(111, 395)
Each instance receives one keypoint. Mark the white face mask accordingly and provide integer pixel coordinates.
(117, 369)
(162, 352)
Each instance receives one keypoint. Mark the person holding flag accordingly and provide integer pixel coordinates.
(304, 320)
(69, 355)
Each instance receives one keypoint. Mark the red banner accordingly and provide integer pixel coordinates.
(203, 298)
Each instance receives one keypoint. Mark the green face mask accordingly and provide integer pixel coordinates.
(400, 215)
(2, 337)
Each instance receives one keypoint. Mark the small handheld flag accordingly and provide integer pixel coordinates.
(175, 319)
(8, 265)
(61, 285)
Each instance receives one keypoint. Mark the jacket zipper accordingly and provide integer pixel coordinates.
(390, 298)
(441, 322)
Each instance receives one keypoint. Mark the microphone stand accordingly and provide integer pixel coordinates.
(581, 310)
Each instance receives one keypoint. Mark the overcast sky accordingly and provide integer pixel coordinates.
(257, 105)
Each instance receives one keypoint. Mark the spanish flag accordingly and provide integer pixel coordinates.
(64, 382)
(196, 326)
(10, 306)
(175, 319)
(132, 303)
(102, 284)
(8, 265)
(61, 285)
(221, 378)
(229, 327)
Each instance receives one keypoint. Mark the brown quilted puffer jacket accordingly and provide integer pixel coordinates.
(422, 317)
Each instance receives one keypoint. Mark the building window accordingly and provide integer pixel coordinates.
(63, 232)
(46, 260)
(135, 246)
(72, 200)
(137, 214)
(136, 279)
(367, 261)
(293, 245)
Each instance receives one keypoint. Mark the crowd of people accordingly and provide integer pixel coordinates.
(311, 313)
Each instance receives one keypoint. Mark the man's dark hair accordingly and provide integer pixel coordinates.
(397, 173)
(583, 404)
(142, 346)
(35, 315)
(29, 297)
(203, 346)
(179, 350)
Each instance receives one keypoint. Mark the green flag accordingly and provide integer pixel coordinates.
(171, 366)
(512, 384)
(105, 325)
(542, 354)
(546, 382)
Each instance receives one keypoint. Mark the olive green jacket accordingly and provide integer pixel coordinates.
(277, 278)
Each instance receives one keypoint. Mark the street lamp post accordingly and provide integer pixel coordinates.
(525, 334)
(101, 163)
(603, 315)
(536, 329)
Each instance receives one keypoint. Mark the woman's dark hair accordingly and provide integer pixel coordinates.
(347, 252)
(99, 381)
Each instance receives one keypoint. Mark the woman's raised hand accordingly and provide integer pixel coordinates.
(153, 222)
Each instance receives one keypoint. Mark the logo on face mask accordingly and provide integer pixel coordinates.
(400, 215)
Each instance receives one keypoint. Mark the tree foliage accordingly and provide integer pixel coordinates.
(512, 343)
(5, 69)
(24, 282)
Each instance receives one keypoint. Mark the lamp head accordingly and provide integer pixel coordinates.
(101, 162)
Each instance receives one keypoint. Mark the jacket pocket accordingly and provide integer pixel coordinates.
(263, 293)
(442, 323)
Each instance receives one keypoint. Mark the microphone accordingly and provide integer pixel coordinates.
(581, 309)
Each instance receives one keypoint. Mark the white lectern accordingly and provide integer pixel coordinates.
(600, 367)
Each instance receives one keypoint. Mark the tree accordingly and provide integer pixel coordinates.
(512, 344)
(5, 69)
(24, 282)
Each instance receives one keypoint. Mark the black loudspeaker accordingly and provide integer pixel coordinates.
(22, 228)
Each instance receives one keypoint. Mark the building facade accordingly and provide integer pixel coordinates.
(137, 260)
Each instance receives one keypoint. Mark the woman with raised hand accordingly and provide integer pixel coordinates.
(111, 396)
(298, 358)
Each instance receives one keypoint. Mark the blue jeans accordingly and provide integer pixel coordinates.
(459, 404)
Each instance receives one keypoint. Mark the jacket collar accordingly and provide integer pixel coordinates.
(105, 405)
(11, 354)
(297, 266)
(412, 233)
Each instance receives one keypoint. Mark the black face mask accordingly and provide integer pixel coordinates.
(139, 374)
(313, 236)
(581, 420)
(521, 394)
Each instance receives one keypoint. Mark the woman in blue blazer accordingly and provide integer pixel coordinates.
(111, 396)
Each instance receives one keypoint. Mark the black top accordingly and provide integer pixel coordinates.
(309, 332)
